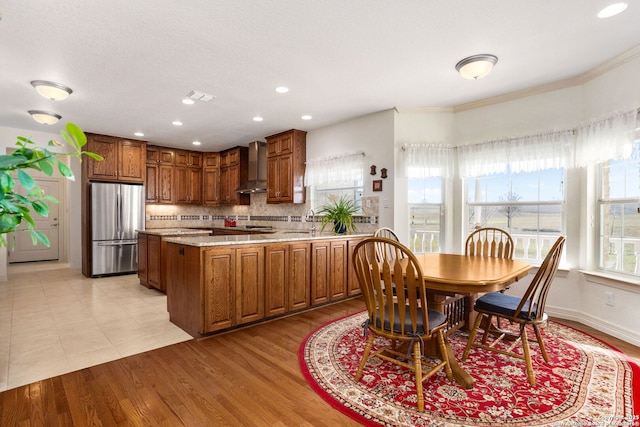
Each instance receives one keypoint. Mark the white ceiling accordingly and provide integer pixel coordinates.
(130, 62)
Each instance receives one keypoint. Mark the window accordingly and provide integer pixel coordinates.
(328, 193)
(331, 178)
(529, 205)
(425, 214)
(619, 214)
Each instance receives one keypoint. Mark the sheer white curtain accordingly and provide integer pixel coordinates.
(341, 168)
(606, 139)
(427, 160)
(522, 154)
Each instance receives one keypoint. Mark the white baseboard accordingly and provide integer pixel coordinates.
(632, 337)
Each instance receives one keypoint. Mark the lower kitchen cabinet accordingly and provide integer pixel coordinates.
(229, 286)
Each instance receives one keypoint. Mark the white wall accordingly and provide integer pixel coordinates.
(372, 134)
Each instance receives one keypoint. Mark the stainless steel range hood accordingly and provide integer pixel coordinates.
(257, 174)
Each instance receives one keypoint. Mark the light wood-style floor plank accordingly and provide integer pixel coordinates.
(248, 377)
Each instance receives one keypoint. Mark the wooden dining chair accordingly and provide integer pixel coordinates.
(387, 233)
(489, 242)
(525, 310)
(405, 319)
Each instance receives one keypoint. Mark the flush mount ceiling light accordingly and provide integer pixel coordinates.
(476, 66)
(306, 117)
(176, 123)
(196, 142)
(612, 10)
(51, 90)
(45, 117)
(139, 134)
(257, 119)
(282, 89)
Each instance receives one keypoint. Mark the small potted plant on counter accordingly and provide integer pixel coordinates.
(340, 213)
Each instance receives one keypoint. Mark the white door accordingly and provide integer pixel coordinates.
(24, 249)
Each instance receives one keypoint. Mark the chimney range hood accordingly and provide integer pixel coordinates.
(257, 173)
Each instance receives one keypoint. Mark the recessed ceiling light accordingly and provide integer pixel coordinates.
(139, 134)
(282, 89)
(196, 142)
(306, 117)
(188, 101)
(177, 123)
(51, 90)
(257, 119)
(45, 117)
(612, 10)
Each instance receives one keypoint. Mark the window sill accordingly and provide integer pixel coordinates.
(627, 283)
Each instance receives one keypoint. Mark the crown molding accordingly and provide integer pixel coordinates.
(422, 110)
(580, 79)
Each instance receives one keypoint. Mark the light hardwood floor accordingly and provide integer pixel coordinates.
(248, 377)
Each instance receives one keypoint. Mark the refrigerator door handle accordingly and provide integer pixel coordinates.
(117, 244)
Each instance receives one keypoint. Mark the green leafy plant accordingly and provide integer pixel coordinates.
(16, 208)
(340, 213)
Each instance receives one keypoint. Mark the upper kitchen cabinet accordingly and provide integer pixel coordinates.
(233, 172)
(211, 179)
(186, 158)
(286, 156)
(188, 177)
(159, 181)
(124, 160)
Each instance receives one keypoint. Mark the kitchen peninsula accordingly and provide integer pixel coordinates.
(216, 283)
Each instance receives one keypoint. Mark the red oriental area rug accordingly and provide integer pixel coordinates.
(586, 383)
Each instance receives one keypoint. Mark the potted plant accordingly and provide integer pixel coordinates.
(340, 213)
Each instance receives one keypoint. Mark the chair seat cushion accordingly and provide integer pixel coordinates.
(435, 319)
(505, 305)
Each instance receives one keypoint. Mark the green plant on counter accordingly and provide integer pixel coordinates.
(16, 208)
(340, 213)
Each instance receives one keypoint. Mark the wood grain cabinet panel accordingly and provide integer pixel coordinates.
(320, 272)
(338, 269)
(276, 279)
(286, 157)
(299, 276)
(142, 259)
(219, 289)
(159, 175)
(211, 180)
(249, 284)
(124, 160)
(234, 164)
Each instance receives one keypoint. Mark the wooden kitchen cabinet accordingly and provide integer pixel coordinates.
(186, 158)
(233, 172)
(249, 284)
(188, 185)
(124, 160)
(142, 258)
(338, 270)
(219, 290)
(286, 156)
(299, 277)
(320, 272)
(276, 279)
(211, 180)
(159, 175)
(353, 285)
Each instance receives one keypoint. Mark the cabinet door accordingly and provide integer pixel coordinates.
(154, 261)
(131, 161)
(299, 275)
(165, 184)
(273, 179)
(276, 279)
(353, 285)
(320, 272)
(142, 259)
(338, 276)
(249, 284)
(195, 186)
(107, 147)
(211, 160)
(152, 186)
(219, 289)
(285, 179)
(211, 186)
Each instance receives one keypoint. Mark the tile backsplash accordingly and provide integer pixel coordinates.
(284, 216)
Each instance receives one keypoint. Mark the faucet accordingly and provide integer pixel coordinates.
(313, 221)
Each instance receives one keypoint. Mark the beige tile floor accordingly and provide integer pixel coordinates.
(53, 320)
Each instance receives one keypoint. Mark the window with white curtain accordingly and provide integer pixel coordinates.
(517, 185)
(331, 178)
(426, 166)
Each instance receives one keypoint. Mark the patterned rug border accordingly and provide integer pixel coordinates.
(632, 421)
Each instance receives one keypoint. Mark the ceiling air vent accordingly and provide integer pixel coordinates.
(200, 96)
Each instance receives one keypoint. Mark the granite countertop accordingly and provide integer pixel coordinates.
(173, 231)
(279, 236)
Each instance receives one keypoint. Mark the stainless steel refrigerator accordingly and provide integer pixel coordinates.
(117, 211)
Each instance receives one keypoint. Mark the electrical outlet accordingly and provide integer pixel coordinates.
(610, 299)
